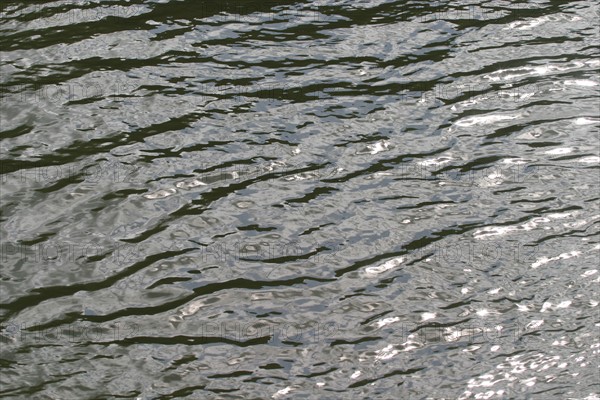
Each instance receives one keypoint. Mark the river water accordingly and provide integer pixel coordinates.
(317, 200)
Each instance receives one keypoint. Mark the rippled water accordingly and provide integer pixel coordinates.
(324, 200)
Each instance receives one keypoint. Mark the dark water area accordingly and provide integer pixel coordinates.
(299, 200)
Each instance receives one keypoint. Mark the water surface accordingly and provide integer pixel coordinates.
(324, 200)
